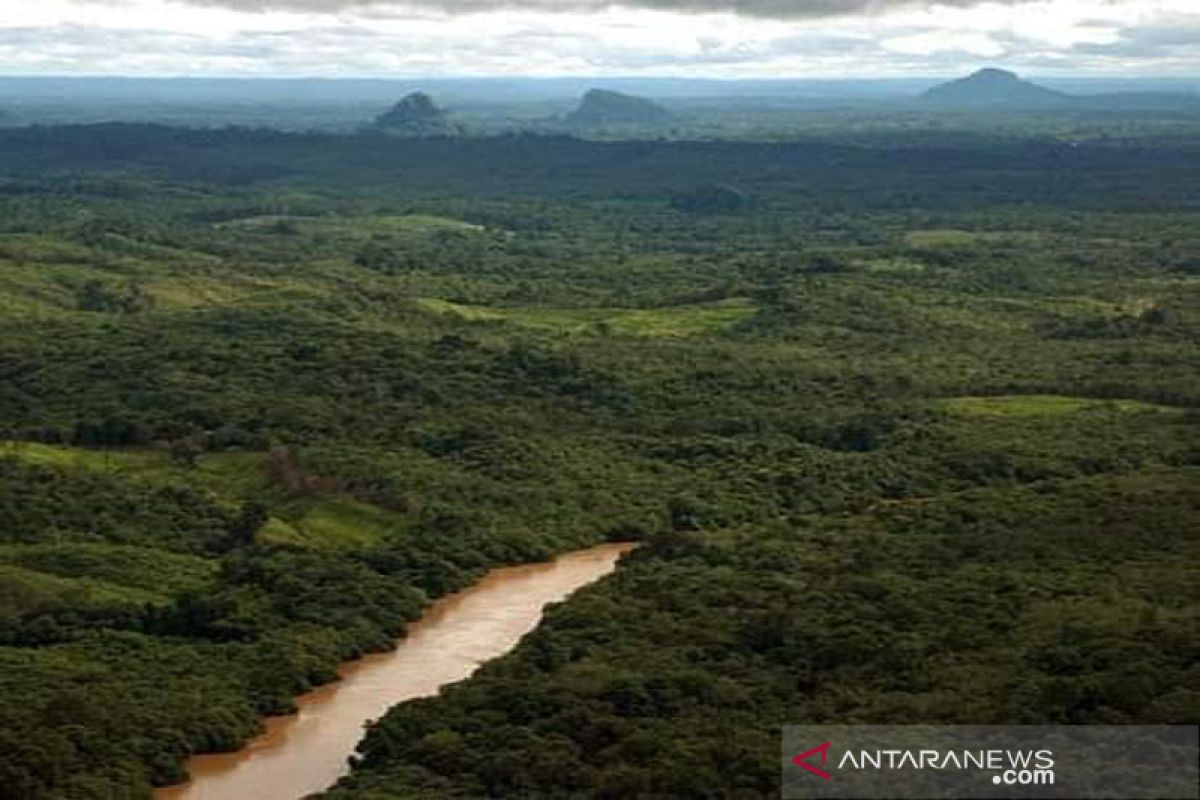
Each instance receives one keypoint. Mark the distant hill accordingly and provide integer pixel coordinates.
(416, 115)
(601, 107)
(1001, 89)
(995, 88)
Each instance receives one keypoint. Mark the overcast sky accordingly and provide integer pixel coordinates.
(710, 38)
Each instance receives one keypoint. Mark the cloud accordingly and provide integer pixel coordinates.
(1165, 37)
(440, 38)
(765, 9)
(933, 42)
(361, 50)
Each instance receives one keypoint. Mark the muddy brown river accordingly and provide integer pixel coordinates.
(306, 752)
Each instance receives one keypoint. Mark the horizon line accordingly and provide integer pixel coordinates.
(591, 76)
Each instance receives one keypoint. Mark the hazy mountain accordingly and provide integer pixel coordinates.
(602, 107)
(995, 88)
(416, 115)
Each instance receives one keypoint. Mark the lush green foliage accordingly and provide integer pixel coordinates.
(883, 421)
(995, 606)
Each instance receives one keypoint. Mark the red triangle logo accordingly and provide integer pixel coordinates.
(802, 760)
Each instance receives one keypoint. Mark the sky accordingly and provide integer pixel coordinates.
(687, 38)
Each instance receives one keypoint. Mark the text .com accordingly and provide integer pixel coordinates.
(1024, 777)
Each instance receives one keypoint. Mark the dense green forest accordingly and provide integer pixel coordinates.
(907, 424)
(992, 606)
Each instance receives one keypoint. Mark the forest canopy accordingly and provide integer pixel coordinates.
(264, 395)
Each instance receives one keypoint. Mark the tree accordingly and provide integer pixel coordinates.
(185, 452)
(248, 523)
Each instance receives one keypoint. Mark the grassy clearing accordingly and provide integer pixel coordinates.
(408, 223)
(1041, 405)
(672, 321)
(226, 474)
(135, 461)
(157, 572)
(266, 221)
(277, 531)
(53, 288)
(26, 591)
(894, 265)
(31, 248)
(182, 291)
(28, 289)
(14, 305)
(953, 237)
(416, 224)
(326, 522)
(340, 522)
(330, 523)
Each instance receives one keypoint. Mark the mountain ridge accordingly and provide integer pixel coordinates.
(605, 107)
(994, 88)
(416, 114)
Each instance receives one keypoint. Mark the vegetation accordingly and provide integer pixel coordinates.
(908, 427)
(1030, 605)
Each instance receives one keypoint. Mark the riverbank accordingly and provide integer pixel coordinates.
(306, 752)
